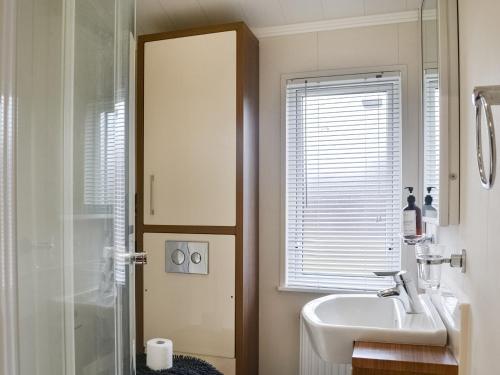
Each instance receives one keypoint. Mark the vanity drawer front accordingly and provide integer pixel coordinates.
(398, 359)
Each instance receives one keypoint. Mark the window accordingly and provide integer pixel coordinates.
(431, 134)
(343, 181)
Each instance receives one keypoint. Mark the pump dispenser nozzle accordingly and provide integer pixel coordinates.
(428, 209)
(411, 198)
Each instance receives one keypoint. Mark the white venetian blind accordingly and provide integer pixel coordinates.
(343, 181)
(431, 133)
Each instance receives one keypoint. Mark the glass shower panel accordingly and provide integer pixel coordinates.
(100, 186)
(72, 199)
(93, 188)
(124, 208)
(40, 189)
(8, 256)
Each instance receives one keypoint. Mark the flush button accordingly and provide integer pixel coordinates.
(186, 257)
(178, 257)
(196, 258)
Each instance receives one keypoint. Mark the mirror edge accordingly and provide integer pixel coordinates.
(449, 97)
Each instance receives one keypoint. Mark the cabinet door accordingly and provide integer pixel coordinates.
(197, 312)
(190, 130)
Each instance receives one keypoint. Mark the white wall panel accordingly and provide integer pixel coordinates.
(338, 49)
(479, 209)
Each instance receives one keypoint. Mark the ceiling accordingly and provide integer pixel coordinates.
(165, 15)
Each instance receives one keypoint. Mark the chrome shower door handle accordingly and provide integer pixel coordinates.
(151, 196)
(139, 258)
(131, 258)
(483, 98)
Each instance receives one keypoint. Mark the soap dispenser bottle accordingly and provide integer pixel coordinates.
(428, 209)
(412, 217)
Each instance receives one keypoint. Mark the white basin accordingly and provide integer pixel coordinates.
(334, 322)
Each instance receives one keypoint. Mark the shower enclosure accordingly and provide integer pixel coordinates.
(66, 196)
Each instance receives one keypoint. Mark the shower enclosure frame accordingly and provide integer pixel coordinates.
(8, 260)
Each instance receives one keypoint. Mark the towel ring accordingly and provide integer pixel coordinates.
(483, 98)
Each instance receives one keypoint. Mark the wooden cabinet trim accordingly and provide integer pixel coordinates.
(191, 229)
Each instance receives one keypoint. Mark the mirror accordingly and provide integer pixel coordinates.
(430, 104)
(440, 160)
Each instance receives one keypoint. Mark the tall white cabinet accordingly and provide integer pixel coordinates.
(197, 179)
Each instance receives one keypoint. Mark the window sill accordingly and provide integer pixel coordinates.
(284, 288)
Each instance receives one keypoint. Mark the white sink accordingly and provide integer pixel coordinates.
(334, 322)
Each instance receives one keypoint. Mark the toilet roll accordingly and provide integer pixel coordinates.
(159, 354)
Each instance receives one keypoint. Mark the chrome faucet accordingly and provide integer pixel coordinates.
(405, 291)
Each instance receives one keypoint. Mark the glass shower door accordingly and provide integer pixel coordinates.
(98, 158)
(66, 137)
(97, 155)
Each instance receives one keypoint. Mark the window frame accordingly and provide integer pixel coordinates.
(406, 158)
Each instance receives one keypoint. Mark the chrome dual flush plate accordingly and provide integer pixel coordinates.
(186, 257)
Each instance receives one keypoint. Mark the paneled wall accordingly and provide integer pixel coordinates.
(396, 44)
(478, 231)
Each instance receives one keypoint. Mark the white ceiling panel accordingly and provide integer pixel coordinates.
(262, 13)
(165, 15)
(151, 18)
(343, 9)
(222, 11)
(296, 11)
(384, 6)
(184, 13)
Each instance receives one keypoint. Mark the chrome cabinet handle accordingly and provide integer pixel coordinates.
(484, 98)
(151, 192)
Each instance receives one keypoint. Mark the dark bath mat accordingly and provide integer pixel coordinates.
(183, 365)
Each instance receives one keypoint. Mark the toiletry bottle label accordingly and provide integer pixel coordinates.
(409, 223)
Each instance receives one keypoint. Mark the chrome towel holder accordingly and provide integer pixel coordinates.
(484, 97)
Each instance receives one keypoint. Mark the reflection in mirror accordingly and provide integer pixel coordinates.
(431, 114)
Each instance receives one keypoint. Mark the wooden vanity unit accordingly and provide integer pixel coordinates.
(398, 359)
